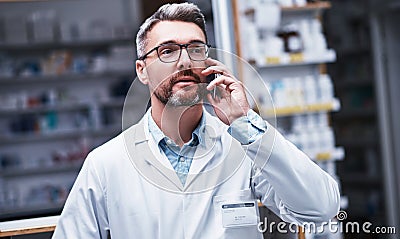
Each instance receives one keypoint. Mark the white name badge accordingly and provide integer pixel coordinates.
(239, 214)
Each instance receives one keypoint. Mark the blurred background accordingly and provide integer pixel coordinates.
(331, 67)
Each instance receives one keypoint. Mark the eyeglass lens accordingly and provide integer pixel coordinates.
(171, 52)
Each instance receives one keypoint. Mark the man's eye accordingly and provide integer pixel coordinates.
(166, 51)
(196, 50)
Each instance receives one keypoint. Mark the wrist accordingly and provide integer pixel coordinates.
(238, 115)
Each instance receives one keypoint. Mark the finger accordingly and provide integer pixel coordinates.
(219, 66)
(222, 85)
(219, 92)
(213, 100)
(221, 80)
(212, 62)
(215, 70)
(223, 91)
(210, 98)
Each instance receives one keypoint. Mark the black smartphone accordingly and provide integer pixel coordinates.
(210, 78)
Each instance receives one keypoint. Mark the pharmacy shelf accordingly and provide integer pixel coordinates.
(62, 168)
(27, 143)
(58, 135)
(296, 59)
(336, 154)
(68, 77)
(63, 107)
(82, 44)
(302, 109)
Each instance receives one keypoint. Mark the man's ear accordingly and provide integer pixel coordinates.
(141, 72)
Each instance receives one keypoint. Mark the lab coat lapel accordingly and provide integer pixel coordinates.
(205, 156)
(206, 151)
(223, 167)
(146, 163)
(202, 157)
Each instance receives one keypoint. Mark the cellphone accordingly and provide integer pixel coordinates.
(210, 78)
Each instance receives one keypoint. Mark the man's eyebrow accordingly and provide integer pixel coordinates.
(172, 41)
(197, 41)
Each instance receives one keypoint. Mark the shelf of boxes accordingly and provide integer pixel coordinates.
(63, 100)
(285, 43)
(61, 89)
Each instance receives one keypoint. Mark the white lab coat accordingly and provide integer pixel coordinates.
(127, 187)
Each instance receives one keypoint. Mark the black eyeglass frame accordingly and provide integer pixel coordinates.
(180, 52)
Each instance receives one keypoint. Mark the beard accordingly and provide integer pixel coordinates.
(187, 96)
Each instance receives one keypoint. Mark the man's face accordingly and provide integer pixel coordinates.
(175, 83)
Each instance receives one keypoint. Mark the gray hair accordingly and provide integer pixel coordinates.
(185, 12)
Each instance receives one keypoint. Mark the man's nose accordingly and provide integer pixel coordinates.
(184, 61)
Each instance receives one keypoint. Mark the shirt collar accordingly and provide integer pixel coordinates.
(159, 136)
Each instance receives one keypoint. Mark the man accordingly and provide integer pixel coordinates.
(183, 173)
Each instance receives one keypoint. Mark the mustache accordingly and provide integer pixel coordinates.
(187, 72)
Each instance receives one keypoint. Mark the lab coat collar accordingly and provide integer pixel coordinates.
(210, 132)
(209, 128)
(146, 163)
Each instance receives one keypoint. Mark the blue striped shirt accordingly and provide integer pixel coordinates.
(246, 130)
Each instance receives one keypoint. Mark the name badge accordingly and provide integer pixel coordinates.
(239, 214)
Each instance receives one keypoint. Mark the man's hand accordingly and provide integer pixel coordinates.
(231, 102)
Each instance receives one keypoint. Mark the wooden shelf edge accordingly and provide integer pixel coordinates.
(28, 226)
(27, 231)
(310, 6)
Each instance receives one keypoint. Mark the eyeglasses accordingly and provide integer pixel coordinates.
(171, 52)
